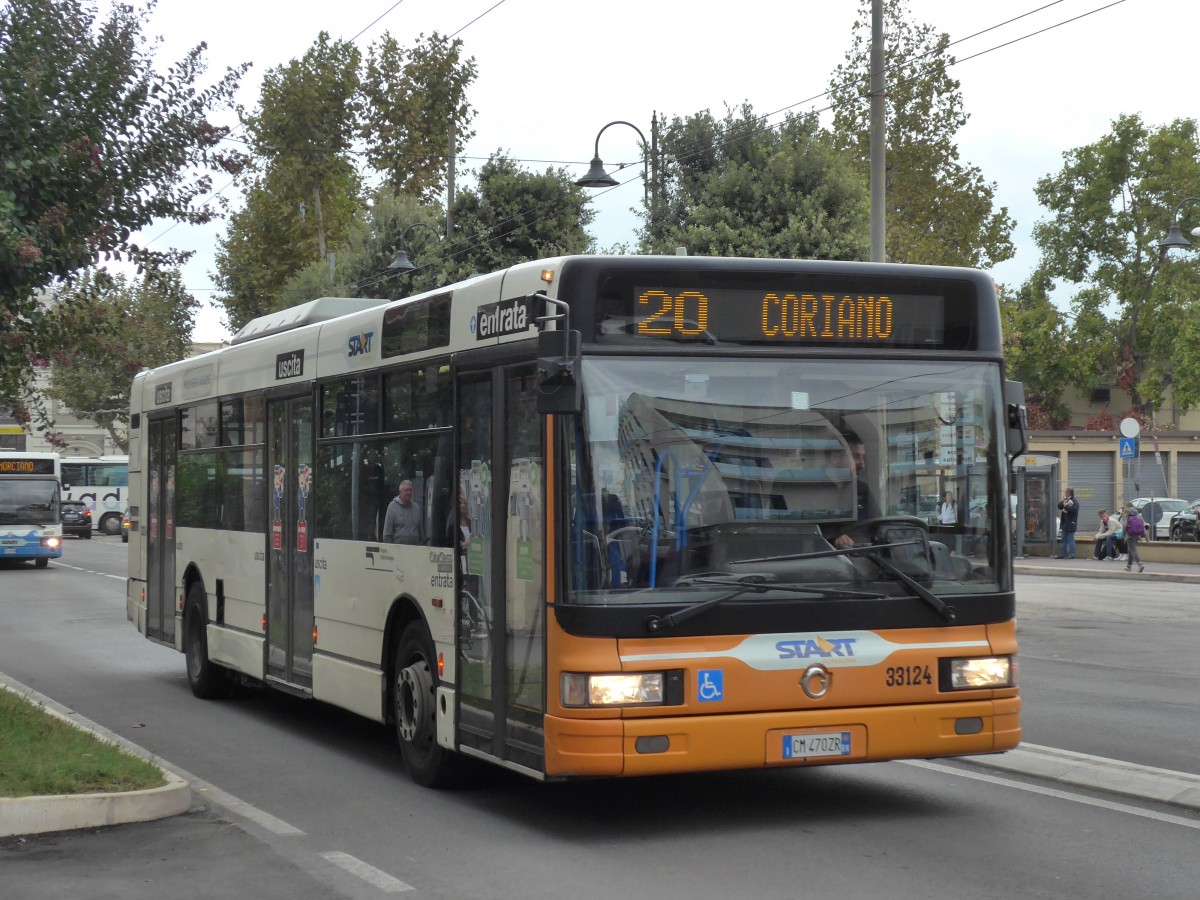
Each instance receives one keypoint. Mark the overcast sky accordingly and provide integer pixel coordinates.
(553, 72)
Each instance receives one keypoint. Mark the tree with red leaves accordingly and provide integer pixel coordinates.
(95, 144)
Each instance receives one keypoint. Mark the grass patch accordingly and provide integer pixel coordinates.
(41, 754)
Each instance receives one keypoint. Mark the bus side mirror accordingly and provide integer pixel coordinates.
(559, 387)
(1016, 418)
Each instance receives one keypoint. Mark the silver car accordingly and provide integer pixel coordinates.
(1166, 508)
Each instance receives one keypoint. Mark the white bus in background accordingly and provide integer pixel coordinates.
(102, 482)
(30, 527)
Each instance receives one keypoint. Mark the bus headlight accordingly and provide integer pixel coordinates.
(630, 689)
(984, 672)
(52, 542)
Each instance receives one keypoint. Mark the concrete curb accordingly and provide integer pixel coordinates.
(1113, 571)
(66, 812)
(1110, 775)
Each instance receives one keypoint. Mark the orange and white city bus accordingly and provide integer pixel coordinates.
(669, 514)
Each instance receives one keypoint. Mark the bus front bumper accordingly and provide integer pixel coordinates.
(45, 548)
(657, 746)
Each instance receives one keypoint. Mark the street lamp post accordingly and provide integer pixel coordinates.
(596, 177)
(1175, 239)
(402, 263)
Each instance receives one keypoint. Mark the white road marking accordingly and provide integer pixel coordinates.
(63, 565)
(242, 808)
(1057, 794)
(367, 872)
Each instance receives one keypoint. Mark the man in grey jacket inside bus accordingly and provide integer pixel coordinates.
(405, 520)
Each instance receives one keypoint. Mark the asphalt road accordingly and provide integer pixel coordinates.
(298, 800)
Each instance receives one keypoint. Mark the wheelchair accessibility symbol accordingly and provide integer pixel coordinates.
(711, 686)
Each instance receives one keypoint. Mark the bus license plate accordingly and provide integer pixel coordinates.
(829, 743)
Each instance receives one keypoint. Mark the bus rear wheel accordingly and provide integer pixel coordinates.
(414, 707)
(111, 524)
(206, 679)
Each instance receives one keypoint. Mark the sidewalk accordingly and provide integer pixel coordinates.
(1086, 567)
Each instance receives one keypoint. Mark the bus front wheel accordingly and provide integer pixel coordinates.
(111, 524)
(414, 699)
(206, 679)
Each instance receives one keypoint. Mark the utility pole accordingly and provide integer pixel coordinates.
(878, 135)
(450, 185)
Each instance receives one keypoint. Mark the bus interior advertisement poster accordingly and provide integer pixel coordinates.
(784, 315)
(279, 481)
(170, 523)
(304, 484)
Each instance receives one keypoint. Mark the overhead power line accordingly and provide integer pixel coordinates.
(458, 250)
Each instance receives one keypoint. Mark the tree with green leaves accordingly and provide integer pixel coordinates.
(739, 187)
(307, 186)
(411, 102)
(939, 210)
(508, 216)
(128, 325)
(1035, 350)
(1136, 309)
(304, 187)
(95, 144)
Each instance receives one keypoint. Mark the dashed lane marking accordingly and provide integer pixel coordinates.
(367, 872)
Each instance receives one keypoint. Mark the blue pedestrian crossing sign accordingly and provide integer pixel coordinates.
(1128, 448)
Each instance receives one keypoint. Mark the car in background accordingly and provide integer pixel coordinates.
(125, 523)
(1184, 525)
(1159, 511)
(76, 518)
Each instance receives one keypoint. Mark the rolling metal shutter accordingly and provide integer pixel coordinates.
(1146, 478)
(1091, 475)
(1189, 476)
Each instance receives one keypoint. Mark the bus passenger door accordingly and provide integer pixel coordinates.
(501, 594)
(289, 541)
(160, 531)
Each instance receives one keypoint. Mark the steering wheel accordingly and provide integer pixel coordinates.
(871, 526)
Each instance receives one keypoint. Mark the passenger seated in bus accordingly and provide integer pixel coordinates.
(405, 520)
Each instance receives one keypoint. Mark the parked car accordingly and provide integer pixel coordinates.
(125, 525)
(76, 518)
(1184, 523)
(1158, 510)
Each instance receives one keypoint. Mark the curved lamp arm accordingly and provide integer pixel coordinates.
(1175, 239)
(597, 177)
(402, 263)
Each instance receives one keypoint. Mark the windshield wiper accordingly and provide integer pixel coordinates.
(754, 583)
(871, 551)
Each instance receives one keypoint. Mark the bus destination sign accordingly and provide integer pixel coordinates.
(16, 465)
(781, 316)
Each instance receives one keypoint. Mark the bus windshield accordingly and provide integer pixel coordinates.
(694, 474)
(29, 502)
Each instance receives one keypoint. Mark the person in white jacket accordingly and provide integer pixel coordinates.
(1106, 537)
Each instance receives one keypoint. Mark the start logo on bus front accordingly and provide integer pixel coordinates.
(776, 652)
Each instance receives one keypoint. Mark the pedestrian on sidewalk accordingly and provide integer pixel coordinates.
(1119, 547)
(1068, 508)
(1105, 537)
(1135, 530)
